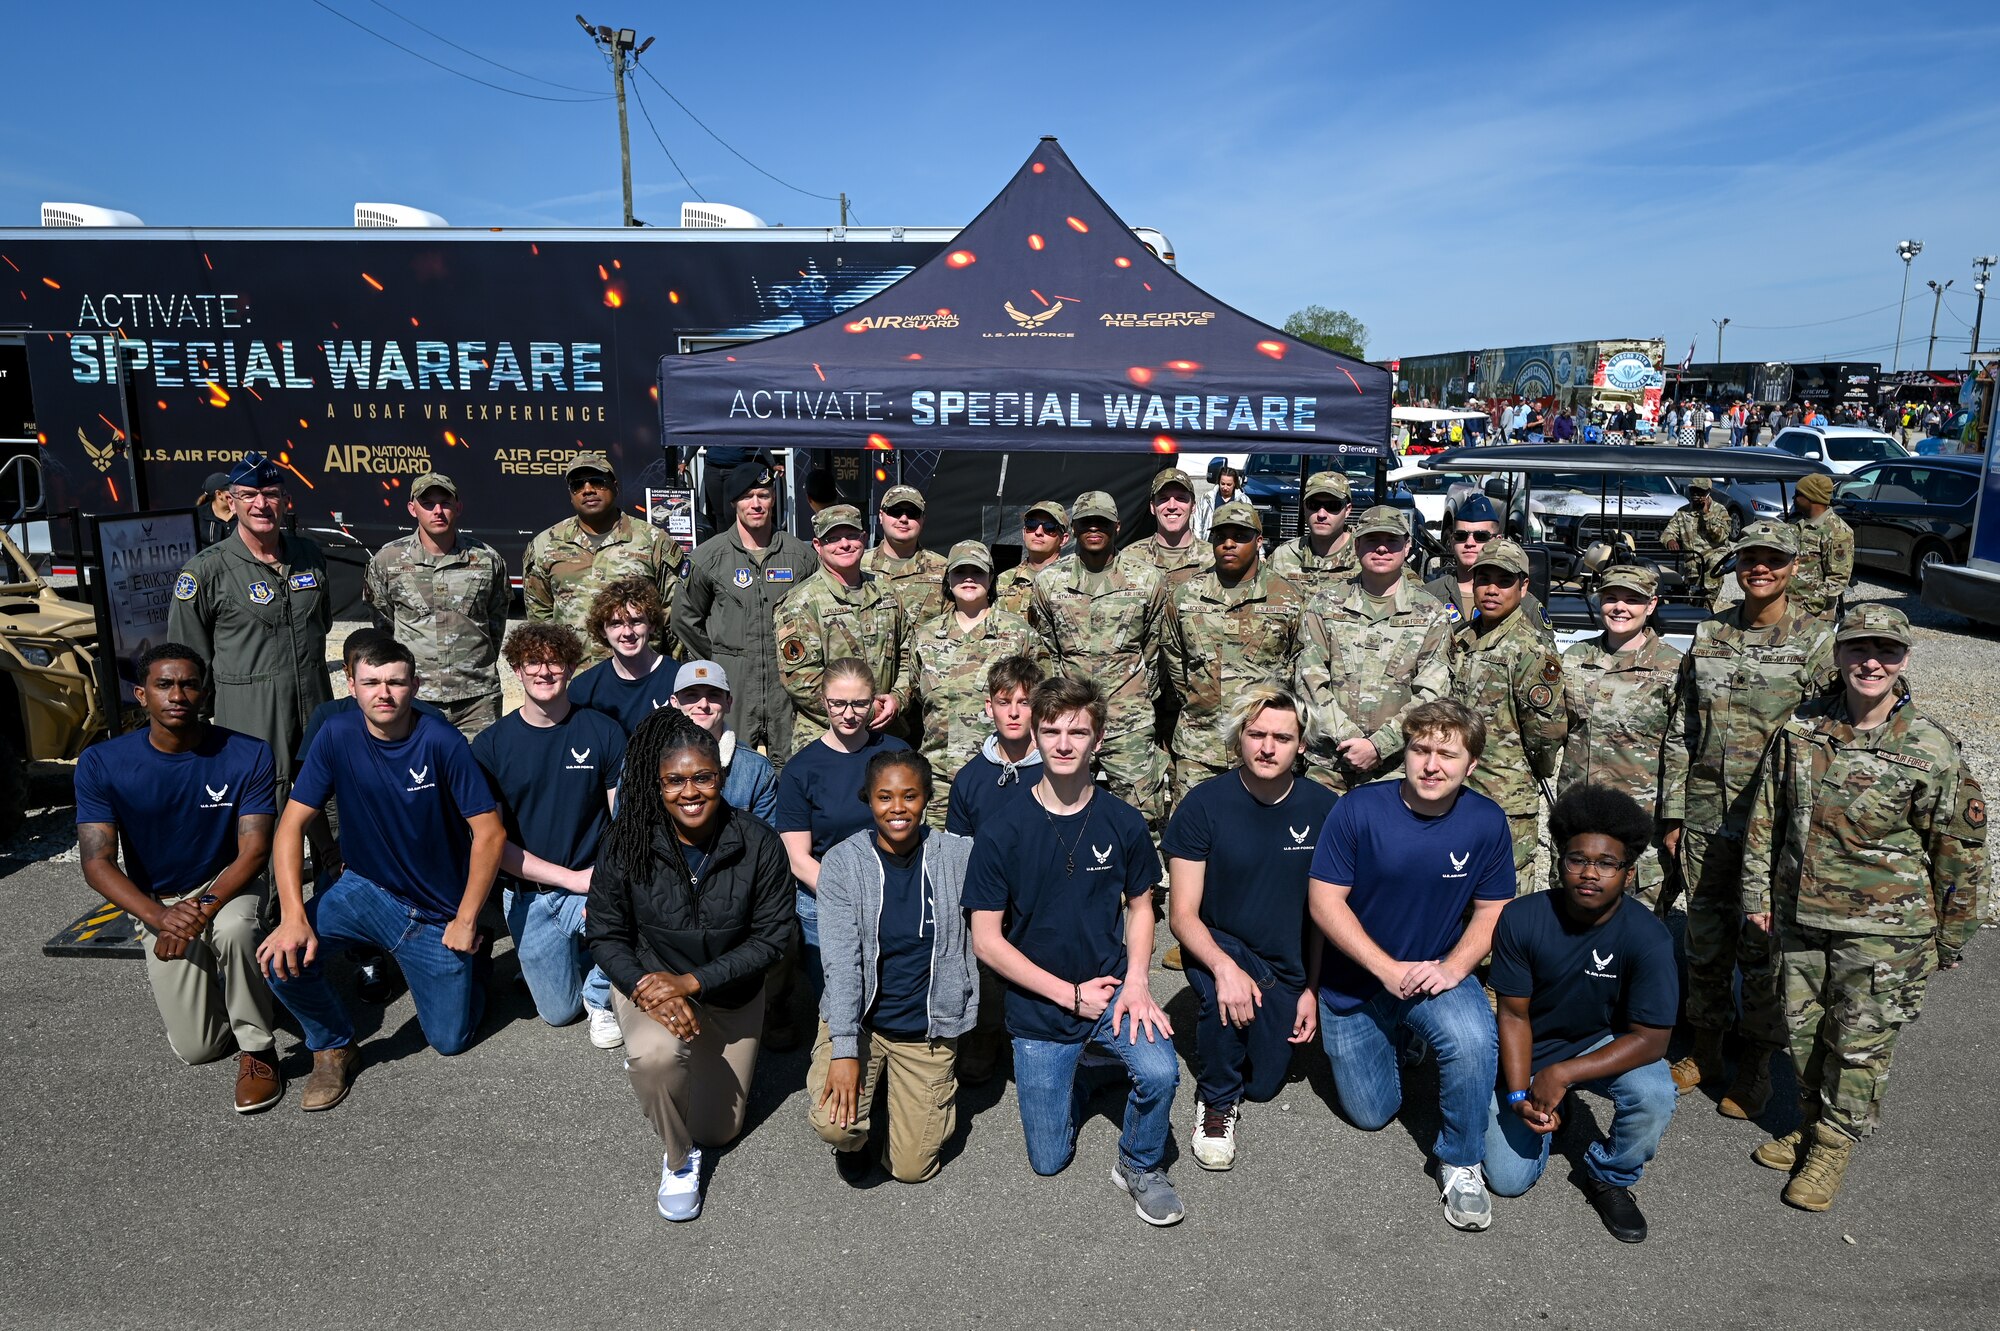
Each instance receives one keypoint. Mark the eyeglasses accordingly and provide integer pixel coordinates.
(542, 668)
(1580, 864)
(593, 479)
(849, 704)
(907, 512)
(673, 781)
(243, 494)
(1043, 525)
(1326, 505)
(435, 501)
(1474, 537)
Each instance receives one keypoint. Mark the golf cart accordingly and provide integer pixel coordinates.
(1569, 549)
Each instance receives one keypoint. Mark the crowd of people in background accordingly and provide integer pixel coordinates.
(924, 814)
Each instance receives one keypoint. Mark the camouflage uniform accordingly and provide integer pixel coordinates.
(948, 674)
(1014, 590)
(1364, 661)
(1825, 566)
(1108, 627)
(726, 613)
(1312, 574)
(566, 567)
(917, 582)
(1218, 641)
(1736, 687)
(1867, 848)
(1703, 537)
(1620, 707)
(1513, 681)
(1176, 566)
(1444, 588)
(822, 621)
(450, 610)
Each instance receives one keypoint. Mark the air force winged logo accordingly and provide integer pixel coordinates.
(1600, 966)
(1601, 962)
(1032, 320)
(215, 796)
(1299, 834)
(1103, 853)
(1459, 861)
(583, 757)
(420, 777)
(100, 454)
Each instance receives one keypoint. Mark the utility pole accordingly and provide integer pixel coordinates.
(1937, 301)
(1906, 250)
(623, 48)
(1982, 268)
(843, 209)
(1720, 324)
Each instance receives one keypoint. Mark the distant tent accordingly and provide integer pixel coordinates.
(1046, 326)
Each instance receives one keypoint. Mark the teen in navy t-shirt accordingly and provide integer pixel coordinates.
(627, 701)
(552, 781)
(1584, 984)
(176, 812)
(820, 791)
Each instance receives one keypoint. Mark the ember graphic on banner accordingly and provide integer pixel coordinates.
(1051, 329)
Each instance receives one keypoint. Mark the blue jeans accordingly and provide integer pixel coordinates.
(547, 925)
(1052, 1096)
(1456, 1025)
(448, 995)
(809, 958)
(1642, 1101)
(1242, 1063)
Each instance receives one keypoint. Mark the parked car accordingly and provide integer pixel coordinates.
(1844, 448)
(1910, 515)
(1435, 492)
(1271, 484)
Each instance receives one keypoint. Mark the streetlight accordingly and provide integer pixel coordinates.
(1937, 300)
(1906, 250)
(1720, 324)
(1982, 268)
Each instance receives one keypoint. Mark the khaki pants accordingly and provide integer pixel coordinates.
(694, 1091)
(471, 715)
(921, 1080)
(214, 997)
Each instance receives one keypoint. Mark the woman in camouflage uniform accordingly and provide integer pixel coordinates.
(1865, 856)
(950, 657)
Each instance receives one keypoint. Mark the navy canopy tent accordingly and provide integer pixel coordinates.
(1046, 326)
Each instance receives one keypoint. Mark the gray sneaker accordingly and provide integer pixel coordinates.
(1467, 1204)
(1153, 1197)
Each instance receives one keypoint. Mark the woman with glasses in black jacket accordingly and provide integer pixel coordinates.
(690, 904)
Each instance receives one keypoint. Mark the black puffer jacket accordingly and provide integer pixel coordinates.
(726, 933)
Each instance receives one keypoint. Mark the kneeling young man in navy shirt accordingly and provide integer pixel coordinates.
(422, 839)
(1060, 895)
(1588, 988)
(1397, 865)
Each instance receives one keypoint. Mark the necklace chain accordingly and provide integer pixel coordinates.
(1069, 852)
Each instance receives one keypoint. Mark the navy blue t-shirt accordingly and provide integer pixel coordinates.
(550, 781)
(1584, 984)
(326, 711)
(1258, 857)
(176, 812)
(1071, 925)
(629, 701)
(403, 806)
(1411, 878)
(820, 791)
(976, 793)
(905, 934)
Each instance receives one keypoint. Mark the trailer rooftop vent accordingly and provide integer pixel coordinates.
(394, 214)
(712, 215)
(85, 214)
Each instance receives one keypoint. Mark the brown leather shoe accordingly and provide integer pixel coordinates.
(258, 1085)
(327, 1086)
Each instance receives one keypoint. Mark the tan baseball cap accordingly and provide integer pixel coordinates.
(1049, 508)
(1172, 476)
(433, 480)
(1765, 534)
(903, 494)
(1872, 619)
(590, 462)
(1382, 520)
(1330, 482)
(1094, 504)
(969, 554)
(836, 515)
(1632, 577)
(1502, 554)
(1237, 513)
(1699, 483)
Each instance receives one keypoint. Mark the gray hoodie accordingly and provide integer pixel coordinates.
(850, 913)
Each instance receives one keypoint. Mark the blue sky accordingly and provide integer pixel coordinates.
(1457, 177)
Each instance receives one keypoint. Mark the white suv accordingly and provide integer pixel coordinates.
(1843, 448)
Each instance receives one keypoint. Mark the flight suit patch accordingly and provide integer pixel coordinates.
(744, 577)
(304, 581)
(261, 593)
(185, 587)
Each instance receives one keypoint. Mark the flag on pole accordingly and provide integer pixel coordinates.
(1688, 359)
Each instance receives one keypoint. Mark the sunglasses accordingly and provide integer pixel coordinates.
(589, 479)
(435, 501)
(1043, 525)
(1495, 577)
(1474, 537)
(904, 511)
(1326, 505)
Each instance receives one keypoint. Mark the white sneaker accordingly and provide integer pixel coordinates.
(1214, 1140)
(604, 1030)
(680, 1189)
(1467, 1204)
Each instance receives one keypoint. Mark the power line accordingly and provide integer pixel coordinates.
(470, 78)
(663, 143)
(1818, 323)
(830, 198)
(521, 73)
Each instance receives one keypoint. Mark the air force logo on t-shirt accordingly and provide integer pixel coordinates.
(1458, 863)
(217, 799)
(579, 762)
(1600, 965)
(1299, 835)
(1102, 856)
(420, 779)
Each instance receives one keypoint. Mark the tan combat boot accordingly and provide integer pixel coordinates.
(1702, 1062)
(1817, 1183)
(1785, 1152)
(1751, 1090)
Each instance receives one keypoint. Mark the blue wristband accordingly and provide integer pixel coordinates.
(1515, 1097)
